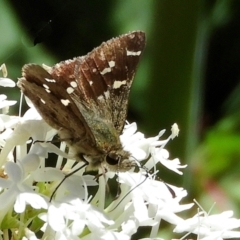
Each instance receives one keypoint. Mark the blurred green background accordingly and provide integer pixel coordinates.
(189, 74)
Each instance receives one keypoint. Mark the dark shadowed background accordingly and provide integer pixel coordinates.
(189, 74)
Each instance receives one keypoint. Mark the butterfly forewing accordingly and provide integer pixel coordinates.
(116, 67)
(86, 98)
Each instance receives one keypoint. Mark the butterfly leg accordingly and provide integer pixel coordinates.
(68, 175)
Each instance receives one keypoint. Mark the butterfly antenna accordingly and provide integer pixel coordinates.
(117, 173)
(131, 191)
(147, 170)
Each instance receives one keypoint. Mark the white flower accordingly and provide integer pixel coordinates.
(80, 207)
(217, 226)
(15, 190)
(74, 185)
(4, 103)
(135, 142)
(5, 82)
(6, 125)
(175, 131)
(162, 155)
(3, 68)
(150, 198)
(141, 147)
(70, 218)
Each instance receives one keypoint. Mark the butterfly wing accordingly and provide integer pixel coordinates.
(86, 98)
(104, 77)
(116, 62)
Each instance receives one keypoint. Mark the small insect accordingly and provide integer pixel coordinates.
(86, 99)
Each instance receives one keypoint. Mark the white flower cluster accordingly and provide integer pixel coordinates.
(26, 185)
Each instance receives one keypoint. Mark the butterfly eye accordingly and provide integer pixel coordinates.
(112, 159)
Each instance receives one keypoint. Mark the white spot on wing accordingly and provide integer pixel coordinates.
(131, 53)
(45, 86)
(73, 84)
(47, 90)
(42, 101)
(65, 102)
(106, 70)
(91, 83)
(111, 64)
(50, 80)
(70, 90)
(118, 84)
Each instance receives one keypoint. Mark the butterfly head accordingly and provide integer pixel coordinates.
(118, 161)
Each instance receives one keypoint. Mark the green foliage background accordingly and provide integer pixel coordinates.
(174, 81)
